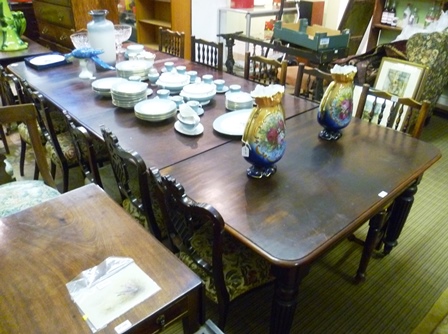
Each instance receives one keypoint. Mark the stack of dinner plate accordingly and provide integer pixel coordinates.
(155, 110)
(238, 100)
(102, 86)
(127, 94)
(129, 68)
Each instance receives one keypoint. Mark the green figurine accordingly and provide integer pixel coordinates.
(13, 25)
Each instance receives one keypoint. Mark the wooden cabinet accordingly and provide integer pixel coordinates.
(58, 19)
(170, 14)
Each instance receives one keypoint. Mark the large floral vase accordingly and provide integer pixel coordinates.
(264, 136)
(336, 107)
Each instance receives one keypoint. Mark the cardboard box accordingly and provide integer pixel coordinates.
(311, 37)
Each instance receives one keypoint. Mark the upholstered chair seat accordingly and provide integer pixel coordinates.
(18, 196)
(243, 269)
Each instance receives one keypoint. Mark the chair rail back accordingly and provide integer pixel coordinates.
(264, 70)
(399, 113)
(207, 53)
(311, 82)
(172, 42)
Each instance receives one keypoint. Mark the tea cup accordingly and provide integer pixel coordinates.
(219, 83)
(193, 75)
(194, 105)
(235, 88)
(207, 78)
(169, 65)
(181, 69)
(153, 77)
(163, 93)
(178, 100)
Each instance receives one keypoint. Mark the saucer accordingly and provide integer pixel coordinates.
(200, 111)
(197, 131)
(224, 90)
(205, 103)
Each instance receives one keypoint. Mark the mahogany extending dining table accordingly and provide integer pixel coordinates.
(45, 247)
(321, 193)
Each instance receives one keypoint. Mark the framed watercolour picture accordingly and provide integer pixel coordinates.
(400, 78)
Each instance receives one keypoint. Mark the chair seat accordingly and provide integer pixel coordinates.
(20, 195)
(243, 269)
(140, 217)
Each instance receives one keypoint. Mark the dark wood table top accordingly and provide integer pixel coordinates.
(44, 247)
(322, 191)
(158, 143)
(34, 49)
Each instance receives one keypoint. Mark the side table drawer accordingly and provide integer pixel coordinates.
(158, 321)
(58, 15)
(56, 34)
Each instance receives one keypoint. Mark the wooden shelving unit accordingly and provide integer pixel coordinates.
(169, 14)
(377, 27)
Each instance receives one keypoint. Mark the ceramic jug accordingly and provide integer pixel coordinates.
(101, 34)
(336, 107)
(13, 26)
(264, 135)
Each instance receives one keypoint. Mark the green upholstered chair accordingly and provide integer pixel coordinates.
(431, 50)
(135, 187)
(228, 268)
(19, 195)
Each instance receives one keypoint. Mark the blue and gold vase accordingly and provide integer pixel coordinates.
(336, 107)
(264, 136)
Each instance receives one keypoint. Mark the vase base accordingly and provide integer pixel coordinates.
(261, 172)
(330, 134)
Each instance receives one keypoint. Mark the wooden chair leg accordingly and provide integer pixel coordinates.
(36, 171)
(4, 140)
(374, 236)
(223, 312)
(22, 157)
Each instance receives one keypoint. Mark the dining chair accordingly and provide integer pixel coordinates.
(311, 82)
(401, 114)
(135, 189)
(207, 53)
(19, 195)
(264, 70)
(93, 158)
(25, 96)
(172, 42)
(228, 268)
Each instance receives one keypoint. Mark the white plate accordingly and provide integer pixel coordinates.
(232, 123)
(155, 107)
(47, 59)
(105, 84)
(199, 129)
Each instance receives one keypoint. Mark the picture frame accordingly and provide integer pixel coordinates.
(400, 77)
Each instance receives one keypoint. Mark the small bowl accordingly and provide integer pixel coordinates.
(134, 48)
(153, 77)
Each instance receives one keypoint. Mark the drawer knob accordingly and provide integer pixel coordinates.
(161, 320)
(62, 37)
(60, 17)
(44, 30)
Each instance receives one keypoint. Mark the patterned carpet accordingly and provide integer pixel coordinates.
(400, 289)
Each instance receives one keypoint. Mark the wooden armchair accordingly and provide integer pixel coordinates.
(401, 114)
(135, 188)
(264, 70)
(207, 53)
(228, 268)
(311, 82)
(172, 42)
(19, 195)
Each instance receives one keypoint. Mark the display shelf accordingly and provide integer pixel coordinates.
(168, 14)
